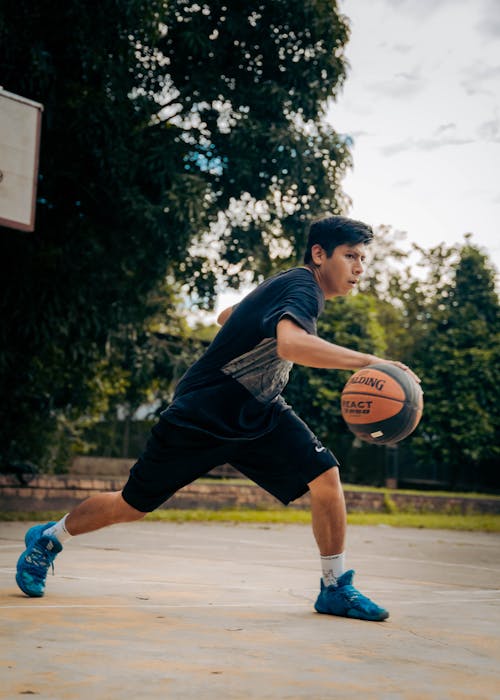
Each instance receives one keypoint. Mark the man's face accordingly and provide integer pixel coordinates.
(339, 274)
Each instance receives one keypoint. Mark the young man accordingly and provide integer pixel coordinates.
(228, 408)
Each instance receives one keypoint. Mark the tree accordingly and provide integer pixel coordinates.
(178, 139)
(443, 322)
(458, 359)
(144, 366)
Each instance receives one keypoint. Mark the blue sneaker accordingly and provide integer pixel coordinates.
(344, 600)
(34, 562)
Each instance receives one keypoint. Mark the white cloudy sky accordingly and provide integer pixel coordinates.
(422, 101)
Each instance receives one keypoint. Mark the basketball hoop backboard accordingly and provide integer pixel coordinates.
(20, 121)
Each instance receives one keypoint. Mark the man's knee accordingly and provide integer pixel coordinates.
(326, 486)
(123, 511)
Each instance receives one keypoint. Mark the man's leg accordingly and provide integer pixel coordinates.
(44, 542)
(328, 512)
(99, 511)
(329, 520)
(173, 458)
(337, 596)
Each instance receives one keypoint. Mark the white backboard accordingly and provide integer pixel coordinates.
(20, 121)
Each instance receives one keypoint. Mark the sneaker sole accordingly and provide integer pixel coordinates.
(30, 594)
(354, 615)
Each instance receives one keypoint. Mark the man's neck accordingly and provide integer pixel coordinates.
(312, 269)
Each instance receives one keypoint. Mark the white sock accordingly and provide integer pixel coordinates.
(59, 530)
(333, 567)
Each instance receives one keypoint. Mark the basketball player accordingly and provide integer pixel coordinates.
(228, 408)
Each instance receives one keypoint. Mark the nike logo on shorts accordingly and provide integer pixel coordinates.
(319, 449)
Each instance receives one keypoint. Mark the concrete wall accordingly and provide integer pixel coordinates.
(64, 492)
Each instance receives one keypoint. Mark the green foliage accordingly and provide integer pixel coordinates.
(182, 142)
(282, 515)
(443, 322)
(178, 140)
(455, 350)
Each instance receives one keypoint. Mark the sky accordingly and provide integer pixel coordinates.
(422, 103)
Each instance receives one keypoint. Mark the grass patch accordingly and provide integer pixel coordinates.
(241, 515)
(369, 489)
(287, 516)
(475, 522)
(421, 492)
(433, 521)
(28, 516)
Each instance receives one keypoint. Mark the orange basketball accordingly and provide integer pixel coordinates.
(382, 404)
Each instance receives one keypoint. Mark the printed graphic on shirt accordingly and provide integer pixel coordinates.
(261, 371)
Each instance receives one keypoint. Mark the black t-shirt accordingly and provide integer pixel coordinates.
(234, 390)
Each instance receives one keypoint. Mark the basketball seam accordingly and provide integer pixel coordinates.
(379, 396)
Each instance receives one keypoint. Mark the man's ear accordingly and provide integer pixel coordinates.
(318, 254)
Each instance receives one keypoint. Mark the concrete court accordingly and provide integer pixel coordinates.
(216, 611)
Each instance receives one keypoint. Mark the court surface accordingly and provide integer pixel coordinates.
(202, 611)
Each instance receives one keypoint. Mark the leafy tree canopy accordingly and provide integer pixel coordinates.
(178, 138)
(455, 350)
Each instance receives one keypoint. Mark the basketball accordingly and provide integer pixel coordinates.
(382, 404)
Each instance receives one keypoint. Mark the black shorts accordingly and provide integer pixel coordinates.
(282, 461)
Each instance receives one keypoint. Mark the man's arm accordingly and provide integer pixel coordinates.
(301, 348)
(224, 315)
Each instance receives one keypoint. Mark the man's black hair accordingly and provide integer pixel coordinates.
(333, 231)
